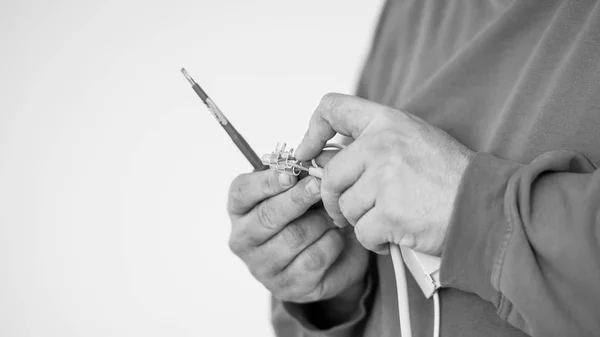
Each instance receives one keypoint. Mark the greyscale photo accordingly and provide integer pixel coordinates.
(300, 169)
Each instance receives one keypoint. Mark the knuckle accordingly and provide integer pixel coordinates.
(387, 138)
(330, 98)
(386, 115)
(296, 287)
(234, 245)
(343, 203)
(253, 267)
(258, 270)
(387, 174)
(329, 102)
(265, 264)
(299, 196)
(314, 259)
(315, 294)
(389, 207)
(236, 189)
(294, 235)
(240, 243)
(389, 213)
(271, 184)
(265, 215)
(304, 292)
(283, 283)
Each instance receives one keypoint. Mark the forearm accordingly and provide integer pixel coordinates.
(526, 239)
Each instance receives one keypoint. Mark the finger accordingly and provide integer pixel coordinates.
(372, 232)
(271, 215)
(310, 266)
(358, 199)
(321, 160)
(280, 250)
(347, 115)
(343, 273)
(248, 189)
(340, 173)
(325, 157)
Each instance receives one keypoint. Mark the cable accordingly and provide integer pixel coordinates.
(436, 314)
(403, 304)
(396, 254)
(334, 146)
(399, 272)
(315, 170)
(300, 167)
(402, 290)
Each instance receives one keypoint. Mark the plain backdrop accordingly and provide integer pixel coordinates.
(114, 176)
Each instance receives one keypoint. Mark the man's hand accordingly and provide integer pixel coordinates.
(295, 252)
(396, 182)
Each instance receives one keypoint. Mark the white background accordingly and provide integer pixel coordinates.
(113, 175)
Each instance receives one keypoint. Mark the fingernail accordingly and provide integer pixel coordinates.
(313, 187)
(286, 180)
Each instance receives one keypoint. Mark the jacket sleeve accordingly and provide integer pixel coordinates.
(527, 239)
(295, 320)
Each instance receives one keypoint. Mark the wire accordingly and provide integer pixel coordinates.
(395, 252)
(436, 314)
(399, 271)
(402, 290)
(300, 167)
(334, 146)
(315, 170)
(403, 304)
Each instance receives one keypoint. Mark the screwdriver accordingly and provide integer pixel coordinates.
(235, 136)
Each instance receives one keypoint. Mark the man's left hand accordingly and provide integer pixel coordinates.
(396, 182)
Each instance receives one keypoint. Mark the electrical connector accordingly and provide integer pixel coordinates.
(281, 160)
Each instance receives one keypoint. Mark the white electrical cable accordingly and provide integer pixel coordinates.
(399, 272)
(317, 171)
(403, 304)
(436, 313)
(402, 290)
(334, 146)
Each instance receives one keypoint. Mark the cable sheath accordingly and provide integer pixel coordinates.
(402, 290)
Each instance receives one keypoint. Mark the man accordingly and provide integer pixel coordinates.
(474, 140)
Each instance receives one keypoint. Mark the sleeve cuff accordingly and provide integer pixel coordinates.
(299, 315)
(477, 228)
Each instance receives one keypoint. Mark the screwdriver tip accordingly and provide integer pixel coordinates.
(187, 75)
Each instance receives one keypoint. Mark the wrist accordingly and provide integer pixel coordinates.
(462, 158)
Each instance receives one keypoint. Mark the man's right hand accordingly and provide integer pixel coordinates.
(295, 252)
